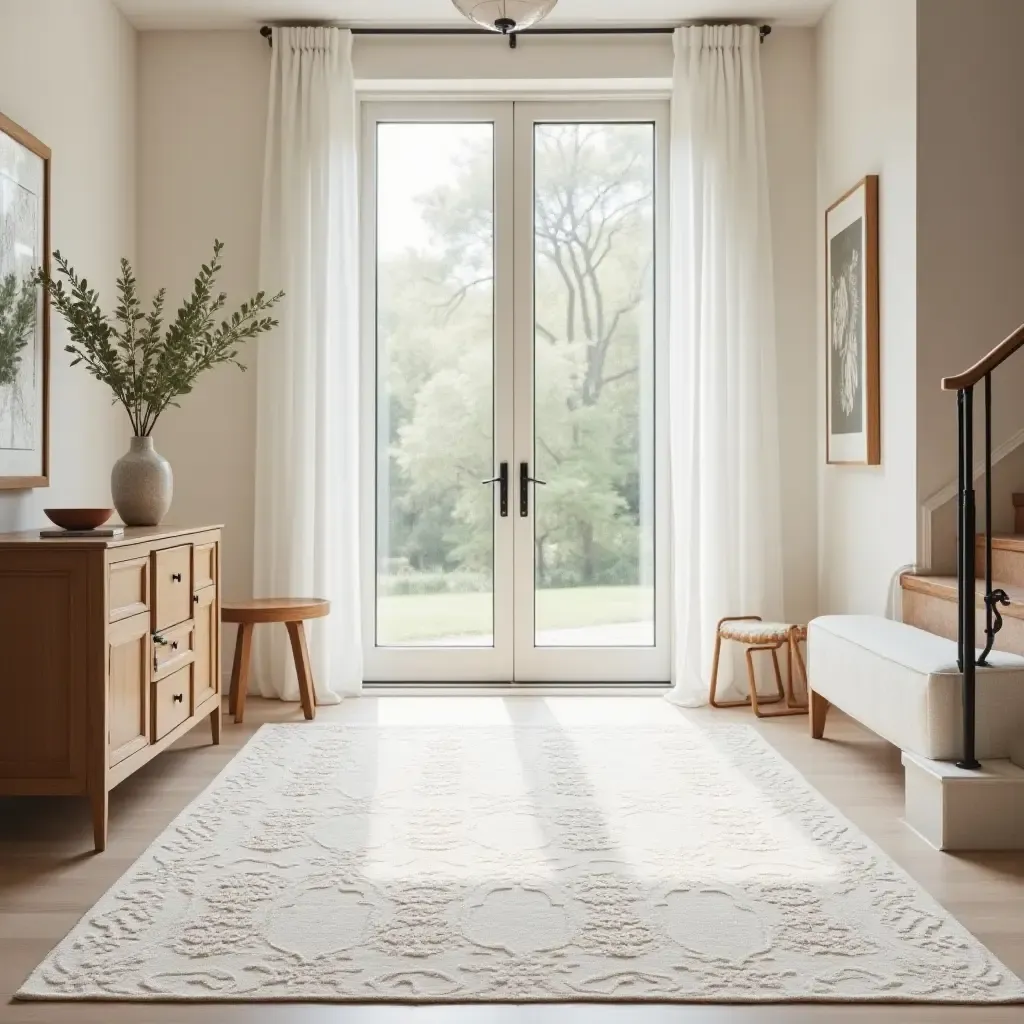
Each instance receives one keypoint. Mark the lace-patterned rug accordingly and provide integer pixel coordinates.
(678, 862)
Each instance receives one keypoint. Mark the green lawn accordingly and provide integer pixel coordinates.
(406, 618)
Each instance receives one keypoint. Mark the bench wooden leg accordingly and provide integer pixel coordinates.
(300, 652)
(819, 709)
(240, 671)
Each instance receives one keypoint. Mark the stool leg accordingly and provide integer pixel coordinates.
(776, 698)
(795, 657)
(236, 663)
(300, 652)
(778, 673)
(713, 695)
(240, 673)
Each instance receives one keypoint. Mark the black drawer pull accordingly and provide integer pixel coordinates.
(174, 645)
(178, 698)
(176, 577)
(195, 599)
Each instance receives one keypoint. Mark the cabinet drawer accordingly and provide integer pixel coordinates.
(172, 586)
(127, 588)
(175, 651)
(204, 566)
(172, 702)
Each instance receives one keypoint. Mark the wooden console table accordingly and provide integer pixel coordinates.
(109, 652)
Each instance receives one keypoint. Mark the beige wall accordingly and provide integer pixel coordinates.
(970, 272)
(789, 85)
(867, 516)
(67, 74)
(202, 114)
(202, 105)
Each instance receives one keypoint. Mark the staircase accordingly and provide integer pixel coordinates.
(930, 602)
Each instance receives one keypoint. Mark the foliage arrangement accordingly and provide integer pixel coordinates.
(145, 367)
(17, 321)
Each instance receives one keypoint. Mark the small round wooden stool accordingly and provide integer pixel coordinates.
(292, 611)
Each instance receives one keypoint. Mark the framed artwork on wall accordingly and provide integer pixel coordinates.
(852, 416)
(24, 309)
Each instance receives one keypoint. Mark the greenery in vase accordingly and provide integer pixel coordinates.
(146, 367)
(17, 321)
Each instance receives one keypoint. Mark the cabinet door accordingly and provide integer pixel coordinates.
(127, 687)
(172, 586)
(206, 678)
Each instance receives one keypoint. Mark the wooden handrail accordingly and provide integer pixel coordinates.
(987, 364)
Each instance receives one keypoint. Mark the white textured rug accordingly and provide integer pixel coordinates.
(676, 862)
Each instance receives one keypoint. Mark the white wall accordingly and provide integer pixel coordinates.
(67, 75)
(970, 272)
(202, 105)
(867, 516)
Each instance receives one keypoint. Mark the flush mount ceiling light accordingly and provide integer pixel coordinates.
(505, 16)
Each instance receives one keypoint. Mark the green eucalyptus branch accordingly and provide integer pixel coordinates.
(17, 322)
(146, 368)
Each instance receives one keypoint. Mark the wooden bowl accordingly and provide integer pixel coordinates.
(78, 518)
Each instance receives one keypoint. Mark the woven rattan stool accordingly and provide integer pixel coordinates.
(763, 636)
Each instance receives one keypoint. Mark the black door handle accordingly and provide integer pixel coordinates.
(502, 480)
(524, 487)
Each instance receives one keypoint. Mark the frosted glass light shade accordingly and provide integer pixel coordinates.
(505, 15)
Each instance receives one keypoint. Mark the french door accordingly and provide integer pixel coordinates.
(515, 477)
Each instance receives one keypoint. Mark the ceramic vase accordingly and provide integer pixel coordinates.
(141, 484)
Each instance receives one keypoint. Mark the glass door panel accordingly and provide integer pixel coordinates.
(593, 319)
(435, 384)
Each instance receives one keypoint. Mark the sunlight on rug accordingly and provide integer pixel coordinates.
(672, 862)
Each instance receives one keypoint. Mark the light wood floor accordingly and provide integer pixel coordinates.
(49, 877)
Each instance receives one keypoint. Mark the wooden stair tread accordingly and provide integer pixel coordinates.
(1004, 541)
(944, 587)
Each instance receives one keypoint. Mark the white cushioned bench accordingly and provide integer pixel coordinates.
(903, 684)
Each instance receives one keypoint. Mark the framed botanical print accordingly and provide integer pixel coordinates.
(852, 418)
(24, 308)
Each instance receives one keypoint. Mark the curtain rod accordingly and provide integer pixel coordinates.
(267, 32)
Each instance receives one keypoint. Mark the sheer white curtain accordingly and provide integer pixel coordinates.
(724, 420)
(307, 433)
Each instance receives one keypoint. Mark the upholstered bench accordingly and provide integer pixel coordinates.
(903, 684)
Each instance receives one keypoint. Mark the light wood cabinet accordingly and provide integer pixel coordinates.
(111, 652)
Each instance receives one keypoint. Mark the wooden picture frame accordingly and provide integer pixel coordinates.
(24, 247)
(852, 405)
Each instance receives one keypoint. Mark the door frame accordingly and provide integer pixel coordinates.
(513, 659)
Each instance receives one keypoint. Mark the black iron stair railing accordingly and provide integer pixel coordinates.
(966, 562)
